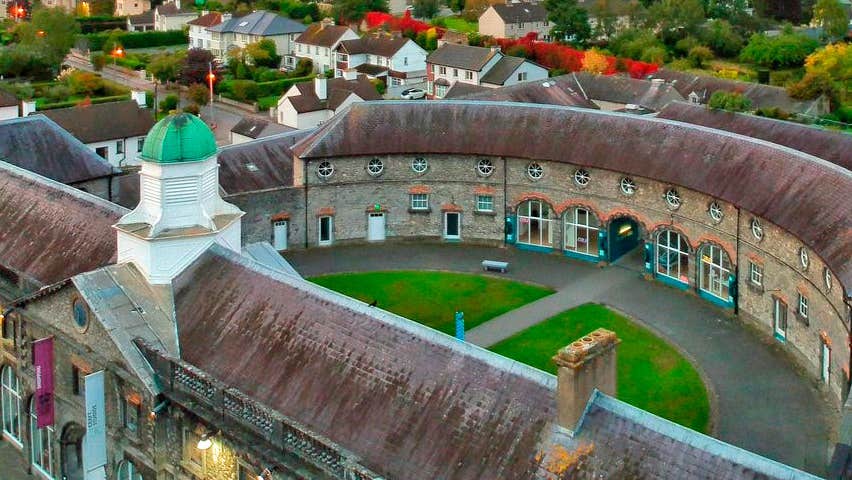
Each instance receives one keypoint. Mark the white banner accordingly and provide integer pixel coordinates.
(94, 443)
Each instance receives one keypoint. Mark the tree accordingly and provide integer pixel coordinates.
(607, 19)
(426, 8)
(571, 22)
(165, 67)
(832, 17)
(354, 10)
(474, 8)
(721, 37)
(169, 103)
(455, 5)
(50, 34)
(263, 53)
(198, 94)
(675, 19)
(636, 43)
(698, 55)
(786, 50)
(196, 65)
(730, 101)
(595, 62)
(831, 64)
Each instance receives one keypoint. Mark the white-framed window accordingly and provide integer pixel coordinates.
(375, 167)
(755, 274)
(430, 87)
(756, 229)
(325, 170)
(127, 471)
(582, 177)
(522, 76)
(41, 445)
(825, 361)
(440, 90)
(826, 276)
(442, 70)
(779, 317)
(673, 255)
(342, 57)
(581, 231)
(395, 82)
(484, 203)
(419, 201)
(119, 147)
(419, 165)
(673, 199)
(140, 142)
(535, 171)
(325, 230)
(715, 272)
(803, 306)
(535, 223)
(10, 401)
(627, 186)
(715, 211)
(405, 61)
(484, 167)
(468, 75)
(456, 72)
(803, 257)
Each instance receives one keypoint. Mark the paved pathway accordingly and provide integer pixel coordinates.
(763, 403)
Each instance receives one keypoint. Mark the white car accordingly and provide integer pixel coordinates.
(413, 94)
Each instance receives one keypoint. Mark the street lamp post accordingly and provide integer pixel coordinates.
(117, 51)
(210, 78)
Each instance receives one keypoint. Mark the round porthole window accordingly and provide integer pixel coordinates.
(628, 186)
(419, 165)
(535, 171)
(325, 170)
(582, 177)
(673, 199)
(803, 258)
(715, 211)
(375, 167)
(826, 276)
(756, 229)
(80, 313)
(484, 167)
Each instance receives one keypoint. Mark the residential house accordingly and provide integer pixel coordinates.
(318, 44)
(124, 8)
(515, 20)
(173, 16)
(395, 60)
(199, 35)
(237, 32)
(114, 130)
(9, 106)
(621, 93)
(141, 23)
(312, 103)
(250, 128)
(67, 5)
(487, 67)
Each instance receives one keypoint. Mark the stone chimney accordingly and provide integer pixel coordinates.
(27, 107)
(583, 366)
(321, 87)
(139, 97)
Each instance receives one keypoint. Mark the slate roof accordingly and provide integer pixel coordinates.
(39, 145)
(461, 56)
(169, 9)
(383, 46)
(208, 20)
(621, 89)
(337, 89)
(52, 231)
(272, 157)
(413, 403)
(7, 99)
(254, 127)
(144, 18)
(520, 12)
(322, 35)
(835, 147)
(502, 70)
(779, 184)
(260, 23)
(552, 91)
(760, 95)
(103, 121)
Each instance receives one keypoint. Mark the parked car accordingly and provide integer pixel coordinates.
(413, 94)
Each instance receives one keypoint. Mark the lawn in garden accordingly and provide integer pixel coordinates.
(431, 298)
(652, 374)
(460, 25)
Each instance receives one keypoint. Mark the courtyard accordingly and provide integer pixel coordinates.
(758, 399)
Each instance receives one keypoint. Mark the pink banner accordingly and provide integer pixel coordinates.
(43, 363)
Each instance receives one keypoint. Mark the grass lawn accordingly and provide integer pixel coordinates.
(652, 375)
(461, 25)
(431, 298)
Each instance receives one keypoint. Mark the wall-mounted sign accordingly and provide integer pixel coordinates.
(43, 363)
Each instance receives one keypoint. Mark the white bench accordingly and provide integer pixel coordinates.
(494, 265)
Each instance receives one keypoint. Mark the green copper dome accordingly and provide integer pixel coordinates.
(179, 138)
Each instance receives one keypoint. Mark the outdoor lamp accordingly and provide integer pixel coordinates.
(205, 442)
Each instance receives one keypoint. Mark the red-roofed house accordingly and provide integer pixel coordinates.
(199, 36)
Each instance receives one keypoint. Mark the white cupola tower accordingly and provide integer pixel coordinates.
(180, 213)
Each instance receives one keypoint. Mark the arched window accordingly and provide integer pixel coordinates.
(715, 272)
(127, 471)
(535, 224)
(41, 444)
(581, 231)
(673, 256)
(10, 402)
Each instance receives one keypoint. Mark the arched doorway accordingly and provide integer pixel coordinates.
(716, 280)
(71, 451)
(624, 237)
(535, 225)
(671, 258)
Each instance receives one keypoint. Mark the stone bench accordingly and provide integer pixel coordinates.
(494, 265)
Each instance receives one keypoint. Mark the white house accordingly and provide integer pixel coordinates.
(487, 67)
(199, 35)
(124, 8)
(515, 20)
(318, 44)
(237, 32)
(115, 130)
(310, 104)
(8, 105)
(172, 16)
(396, 60)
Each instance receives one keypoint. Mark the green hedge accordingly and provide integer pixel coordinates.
(278, 87)
(137, 39)
(73, 103)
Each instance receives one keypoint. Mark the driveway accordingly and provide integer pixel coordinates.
(763, 403)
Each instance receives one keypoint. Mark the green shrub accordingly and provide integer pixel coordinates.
(270, 75)
(265, 103)
(127, 40)
(785, 50)
(244, 90)
(781, 78)
(278, 87)
(380, 86)
(84, 83)
(192, 108)
(58, 93)
(74, 103)
(730, 101)
(169, 103)
(700, 54)
(772, 112)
